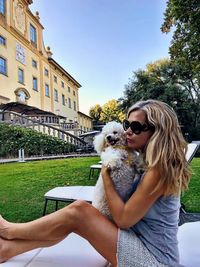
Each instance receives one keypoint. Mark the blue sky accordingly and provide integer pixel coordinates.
(101, 42)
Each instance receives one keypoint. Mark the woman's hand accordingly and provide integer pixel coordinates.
(105, 171)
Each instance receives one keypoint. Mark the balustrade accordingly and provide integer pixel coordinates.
(36, 123)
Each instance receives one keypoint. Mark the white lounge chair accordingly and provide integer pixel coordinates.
(74, 251)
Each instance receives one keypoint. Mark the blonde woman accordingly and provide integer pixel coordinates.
(144, 232)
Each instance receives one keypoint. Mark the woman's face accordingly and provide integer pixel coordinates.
(137, 141)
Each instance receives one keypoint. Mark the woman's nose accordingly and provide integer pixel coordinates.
(129, 131)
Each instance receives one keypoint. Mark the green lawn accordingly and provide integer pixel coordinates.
(191, 198)
(23, 185)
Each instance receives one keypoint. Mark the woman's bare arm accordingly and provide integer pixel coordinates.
(129, 213)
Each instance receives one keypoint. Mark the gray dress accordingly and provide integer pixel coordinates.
(152, 242)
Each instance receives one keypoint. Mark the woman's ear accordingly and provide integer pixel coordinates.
(99, 142)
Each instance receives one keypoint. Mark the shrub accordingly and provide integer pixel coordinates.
(13, 138)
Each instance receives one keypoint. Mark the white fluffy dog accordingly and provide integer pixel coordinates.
(110, 144)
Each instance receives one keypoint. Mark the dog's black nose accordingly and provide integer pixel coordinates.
(108, 137)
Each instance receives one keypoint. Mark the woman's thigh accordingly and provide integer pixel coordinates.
(98, 230)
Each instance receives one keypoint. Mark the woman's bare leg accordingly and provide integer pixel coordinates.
(11, 248)
(79, 217)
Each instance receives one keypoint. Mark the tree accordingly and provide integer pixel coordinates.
(162, 81)
(183, 16)
(95, 112)
(111, 112)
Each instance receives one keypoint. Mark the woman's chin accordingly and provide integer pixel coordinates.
(131, 145)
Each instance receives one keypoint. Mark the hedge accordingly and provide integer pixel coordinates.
(13, 138)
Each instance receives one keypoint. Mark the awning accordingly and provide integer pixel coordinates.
(24, 109)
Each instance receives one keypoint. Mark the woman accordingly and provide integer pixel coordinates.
(144, 232)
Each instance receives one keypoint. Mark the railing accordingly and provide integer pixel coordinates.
(69, 125)
(47, 119)
(14, 118)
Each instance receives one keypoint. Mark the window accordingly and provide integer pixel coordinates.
(2, 40)
(35, 85)
(47, 90)
(55, 79)
(34, 63)
(63, 100)
(20, 53)
(69, 89)
(56, 95)
(20, 76)
(3, 7)
(3, 66)
(74, 93)
(33, 35)
(46, 72)
(75, 105)
(69, 103)
(62, 85)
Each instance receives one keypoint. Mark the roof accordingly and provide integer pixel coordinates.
(81, 113)
(24, 109)
(51, 60)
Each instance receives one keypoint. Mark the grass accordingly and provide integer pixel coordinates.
(23, 185)
(191, 198)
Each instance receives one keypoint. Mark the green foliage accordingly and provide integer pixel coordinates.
(95, 112)
(183, 17)
(162, 81)
(13, 138)
(111, 112)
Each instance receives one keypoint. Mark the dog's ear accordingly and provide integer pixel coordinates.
(99, 143)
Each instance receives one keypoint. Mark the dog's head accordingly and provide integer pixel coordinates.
(112, 135)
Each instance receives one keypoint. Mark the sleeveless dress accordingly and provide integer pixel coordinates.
(152, 242)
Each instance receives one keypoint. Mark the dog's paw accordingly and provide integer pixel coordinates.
(111, 158)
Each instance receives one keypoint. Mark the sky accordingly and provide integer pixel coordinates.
(102, 42)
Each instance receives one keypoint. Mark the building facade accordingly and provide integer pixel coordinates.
(28, 72)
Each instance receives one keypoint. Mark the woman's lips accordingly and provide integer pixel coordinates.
(129, 140)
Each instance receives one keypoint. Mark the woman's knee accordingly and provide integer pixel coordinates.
(81, 210)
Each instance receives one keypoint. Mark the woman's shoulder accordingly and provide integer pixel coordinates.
(151, 180)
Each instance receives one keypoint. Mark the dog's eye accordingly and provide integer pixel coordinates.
(115, 132)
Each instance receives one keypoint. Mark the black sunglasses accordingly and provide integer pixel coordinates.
(137, 127)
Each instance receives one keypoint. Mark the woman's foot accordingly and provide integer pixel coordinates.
(4, 228)
(3, 250)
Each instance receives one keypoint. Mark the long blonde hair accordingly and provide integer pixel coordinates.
(167, 147)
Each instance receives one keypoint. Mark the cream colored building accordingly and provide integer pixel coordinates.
(84, 121)
(28, 72)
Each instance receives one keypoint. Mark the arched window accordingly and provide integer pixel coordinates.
(22, 95)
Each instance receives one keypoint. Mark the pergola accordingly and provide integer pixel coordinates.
(24, 109)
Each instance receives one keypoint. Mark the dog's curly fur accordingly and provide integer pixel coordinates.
(110, 144)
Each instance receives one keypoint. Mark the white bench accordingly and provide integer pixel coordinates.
(68, 194)
(93, 168)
